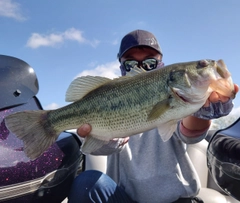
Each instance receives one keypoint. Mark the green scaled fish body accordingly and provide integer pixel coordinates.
(124, 106)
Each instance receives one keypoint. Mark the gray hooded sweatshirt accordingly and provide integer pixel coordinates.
(153, 171)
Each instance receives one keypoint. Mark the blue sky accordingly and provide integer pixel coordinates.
(63, 39)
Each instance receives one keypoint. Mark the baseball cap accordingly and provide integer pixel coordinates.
(138, 38)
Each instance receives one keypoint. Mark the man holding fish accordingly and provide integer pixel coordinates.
(160, 108)
(144, 168)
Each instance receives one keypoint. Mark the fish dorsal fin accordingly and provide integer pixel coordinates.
(135, 71)
(166, 130)
(159, 109)
(83, 85)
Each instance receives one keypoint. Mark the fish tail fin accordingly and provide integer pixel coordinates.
(33, 129)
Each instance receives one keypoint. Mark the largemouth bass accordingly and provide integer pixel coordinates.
(124, 106)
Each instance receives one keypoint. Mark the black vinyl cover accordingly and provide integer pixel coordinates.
(18, 81)
(223, 159)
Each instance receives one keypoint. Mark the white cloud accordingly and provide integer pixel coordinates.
(11, 9)
(226, 121)
(37, 40)
(52, 106)
(115, 42)
(94, 43)
(74, 34)
(235, 111)
(110, 70)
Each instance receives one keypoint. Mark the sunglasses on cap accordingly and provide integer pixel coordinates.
(146, 64)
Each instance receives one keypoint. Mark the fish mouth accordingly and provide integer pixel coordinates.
(177, 93)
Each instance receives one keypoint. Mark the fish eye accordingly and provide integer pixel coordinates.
(176, 74)
(172, 76)
(203, 63)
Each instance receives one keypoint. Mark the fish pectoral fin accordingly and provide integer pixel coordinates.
(159, 109)
(92, 144)
(82, 86)
(166, 130)
(135, 71)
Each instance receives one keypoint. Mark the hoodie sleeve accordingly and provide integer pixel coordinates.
(196, 135)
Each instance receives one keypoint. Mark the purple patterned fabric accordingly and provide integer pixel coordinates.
(15, 167)
(215, 110)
